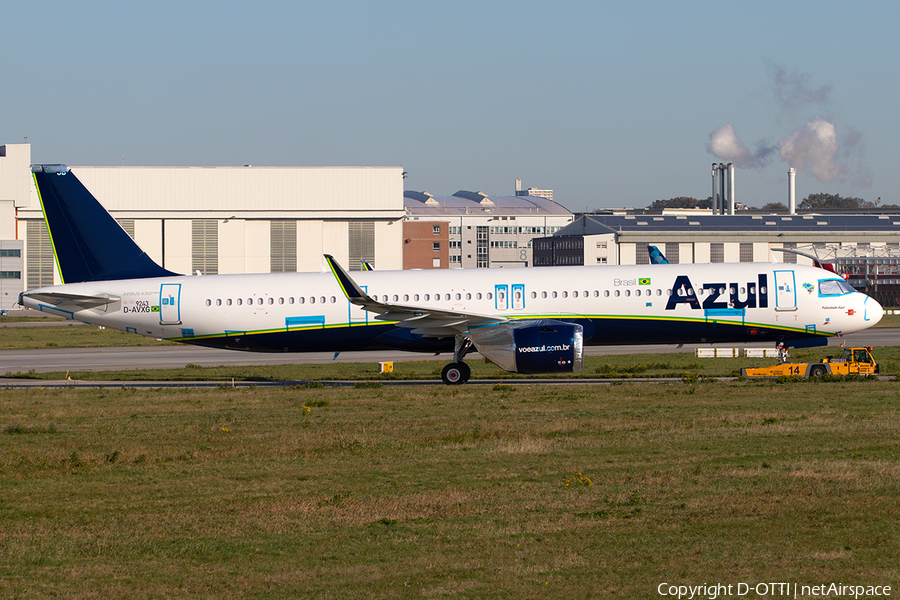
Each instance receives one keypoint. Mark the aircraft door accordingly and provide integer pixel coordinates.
(785, 292)
(501, 302)
(357, 315)
(170, 304)
(518, 296)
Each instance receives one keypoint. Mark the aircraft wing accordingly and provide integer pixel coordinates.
(425, 321)
(80, 301)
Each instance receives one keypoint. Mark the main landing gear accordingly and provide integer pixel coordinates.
(458, 372)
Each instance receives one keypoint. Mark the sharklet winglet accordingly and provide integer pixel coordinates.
(351, 290)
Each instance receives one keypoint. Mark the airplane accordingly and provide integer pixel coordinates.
(528, 320)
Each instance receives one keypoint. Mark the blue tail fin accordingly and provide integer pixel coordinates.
(88, 243)
(656, 256)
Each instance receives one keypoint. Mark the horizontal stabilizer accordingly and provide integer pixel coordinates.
(70, 300)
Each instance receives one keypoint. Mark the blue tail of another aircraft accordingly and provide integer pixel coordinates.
(656, 256)
(88, 243)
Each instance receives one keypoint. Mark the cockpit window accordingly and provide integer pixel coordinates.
(834, 287)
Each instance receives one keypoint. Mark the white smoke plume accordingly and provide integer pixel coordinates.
(813, 148)
(724, 144)
(792, 89)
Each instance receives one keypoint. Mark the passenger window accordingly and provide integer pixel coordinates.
(228, 302)
(427, 297)
(240, 301)
(208, 302)
(416, 297)
(627, 293)
(553, 294)
(637, 292)
(446, 296)
(659, 292)
(259, 300)
(618, 293)
(565, 294)
(312, 299)
(322, 299)
(606, 293)
(281, 301)
(490, 296)
(468, 296)
(271, 301)
(219, 302)
(597, 294)
(291, 300)
(459, 296)
(396, 297)
(406, 297)
(543, 294)
(478, 296)
(301, 300)
(333, 299)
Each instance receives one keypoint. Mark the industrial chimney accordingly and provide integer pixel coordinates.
(792, 195)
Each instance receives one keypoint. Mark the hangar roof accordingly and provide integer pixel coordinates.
(806, 223)
(476, 203)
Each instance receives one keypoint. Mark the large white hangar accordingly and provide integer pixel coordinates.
(224, 219)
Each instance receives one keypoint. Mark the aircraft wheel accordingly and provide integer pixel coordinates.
(817, 371)
(456, 373)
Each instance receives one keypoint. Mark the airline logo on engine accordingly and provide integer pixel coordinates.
(559, 348)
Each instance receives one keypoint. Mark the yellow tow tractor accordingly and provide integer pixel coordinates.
(854, 361)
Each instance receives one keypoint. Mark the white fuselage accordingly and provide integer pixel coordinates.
(624, 304)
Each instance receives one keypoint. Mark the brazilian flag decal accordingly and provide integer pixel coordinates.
(644, 281)
(154, 309)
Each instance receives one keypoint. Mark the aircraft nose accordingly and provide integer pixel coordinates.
(874, 311)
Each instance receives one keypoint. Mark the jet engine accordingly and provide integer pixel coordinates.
(538, 346)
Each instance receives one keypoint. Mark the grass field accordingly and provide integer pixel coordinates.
(586, 491)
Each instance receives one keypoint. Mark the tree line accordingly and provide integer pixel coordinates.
(812, 202)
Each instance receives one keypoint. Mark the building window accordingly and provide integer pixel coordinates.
(717, 252)
(436, 246)
(39, 259)
(436, 229)
(673, 252)
(436, 263)
(127, 225)
(283, 244)
(10, 253)
(10, 274)
(641, 253)
(362, 243)
(790, 257)
(205, 246)
(746, 252)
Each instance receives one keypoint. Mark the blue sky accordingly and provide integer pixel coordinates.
(609, 104)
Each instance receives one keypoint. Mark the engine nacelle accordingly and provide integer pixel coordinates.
(539, 346)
